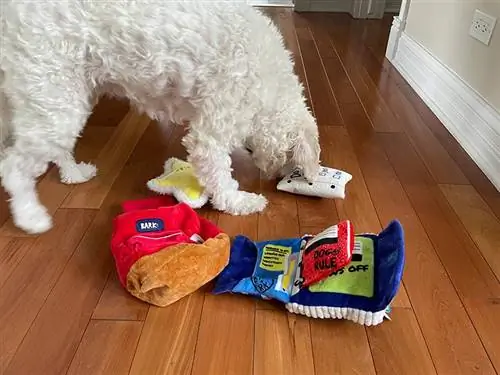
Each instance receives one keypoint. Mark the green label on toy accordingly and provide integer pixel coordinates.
(273, 257)
(357, 277)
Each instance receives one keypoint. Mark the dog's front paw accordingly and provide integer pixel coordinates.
(80, 173)
(240, 203)
(31, 218)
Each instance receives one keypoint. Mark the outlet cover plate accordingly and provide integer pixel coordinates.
(482, 27)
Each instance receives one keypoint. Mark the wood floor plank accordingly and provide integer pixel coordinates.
(356, 120)
(340, 347)
(55, 334)
(110, 161)
(12, 251)
(324, 103)
(51, 190)
(477, 285)
(442, 167)
(209, 213)
(244, 225)
(108, 112)
(25, 291)
(107, 348)
(357, 206)
(473, 173)
(442, 225)
(117, 304)
(450, 336)
(168, 339)
(92, 141)
(479, 221)
(282, 344)
(300, 330)
(279, 219)
(381, 117)
(402, 300)
(230, 350)
(161, 141)
(408, 352)
(470, 274)
(375, 34)
(316, 214)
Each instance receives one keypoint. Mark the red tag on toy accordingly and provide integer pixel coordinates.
(327, 252)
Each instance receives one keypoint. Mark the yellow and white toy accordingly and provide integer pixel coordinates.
(179, 180)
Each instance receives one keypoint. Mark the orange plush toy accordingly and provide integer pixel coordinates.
(164, 251)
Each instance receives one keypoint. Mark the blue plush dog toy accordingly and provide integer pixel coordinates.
(361, 291)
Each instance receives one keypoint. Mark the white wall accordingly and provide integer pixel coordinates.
(442, 27)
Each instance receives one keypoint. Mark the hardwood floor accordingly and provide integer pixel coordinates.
(62, 310)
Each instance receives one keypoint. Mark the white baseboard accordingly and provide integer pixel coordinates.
(469, 117)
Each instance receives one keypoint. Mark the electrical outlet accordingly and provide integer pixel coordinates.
(482, 26)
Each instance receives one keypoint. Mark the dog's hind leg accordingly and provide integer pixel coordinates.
(23, 162)
(72, 172)
(212, 163)
(45, 130)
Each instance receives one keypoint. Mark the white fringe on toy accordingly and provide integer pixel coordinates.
(366, 318)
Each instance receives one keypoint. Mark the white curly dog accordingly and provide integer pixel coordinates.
(221, 67)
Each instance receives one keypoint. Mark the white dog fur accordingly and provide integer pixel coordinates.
(219, 66)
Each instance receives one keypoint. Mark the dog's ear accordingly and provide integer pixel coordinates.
(306, 151)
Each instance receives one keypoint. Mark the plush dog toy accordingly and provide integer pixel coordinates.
(164, 251)
(178, 179)
(360, 291)
(267, 269)
(330, 183)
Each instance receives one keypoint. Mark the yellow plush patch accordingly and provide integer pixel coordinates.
(180, 181)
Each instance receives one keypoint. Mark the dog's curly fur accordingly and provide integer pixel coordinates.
(221, 67)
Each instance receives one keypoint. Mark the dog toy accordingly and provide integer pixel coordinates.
(330, 183)
(267, 269)
(164, 251)
(361, 291)
(326, 253)
(178, 179)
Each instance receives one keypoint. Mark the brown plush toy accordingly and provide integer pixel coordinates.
(164, 251)
(176, 271)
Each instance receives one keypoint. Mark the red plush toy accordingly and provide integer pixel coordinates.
(164, 250)
(327, 252)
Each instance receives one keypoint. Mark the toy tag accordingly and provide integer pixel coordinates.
(149, 225)
(327, 252)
